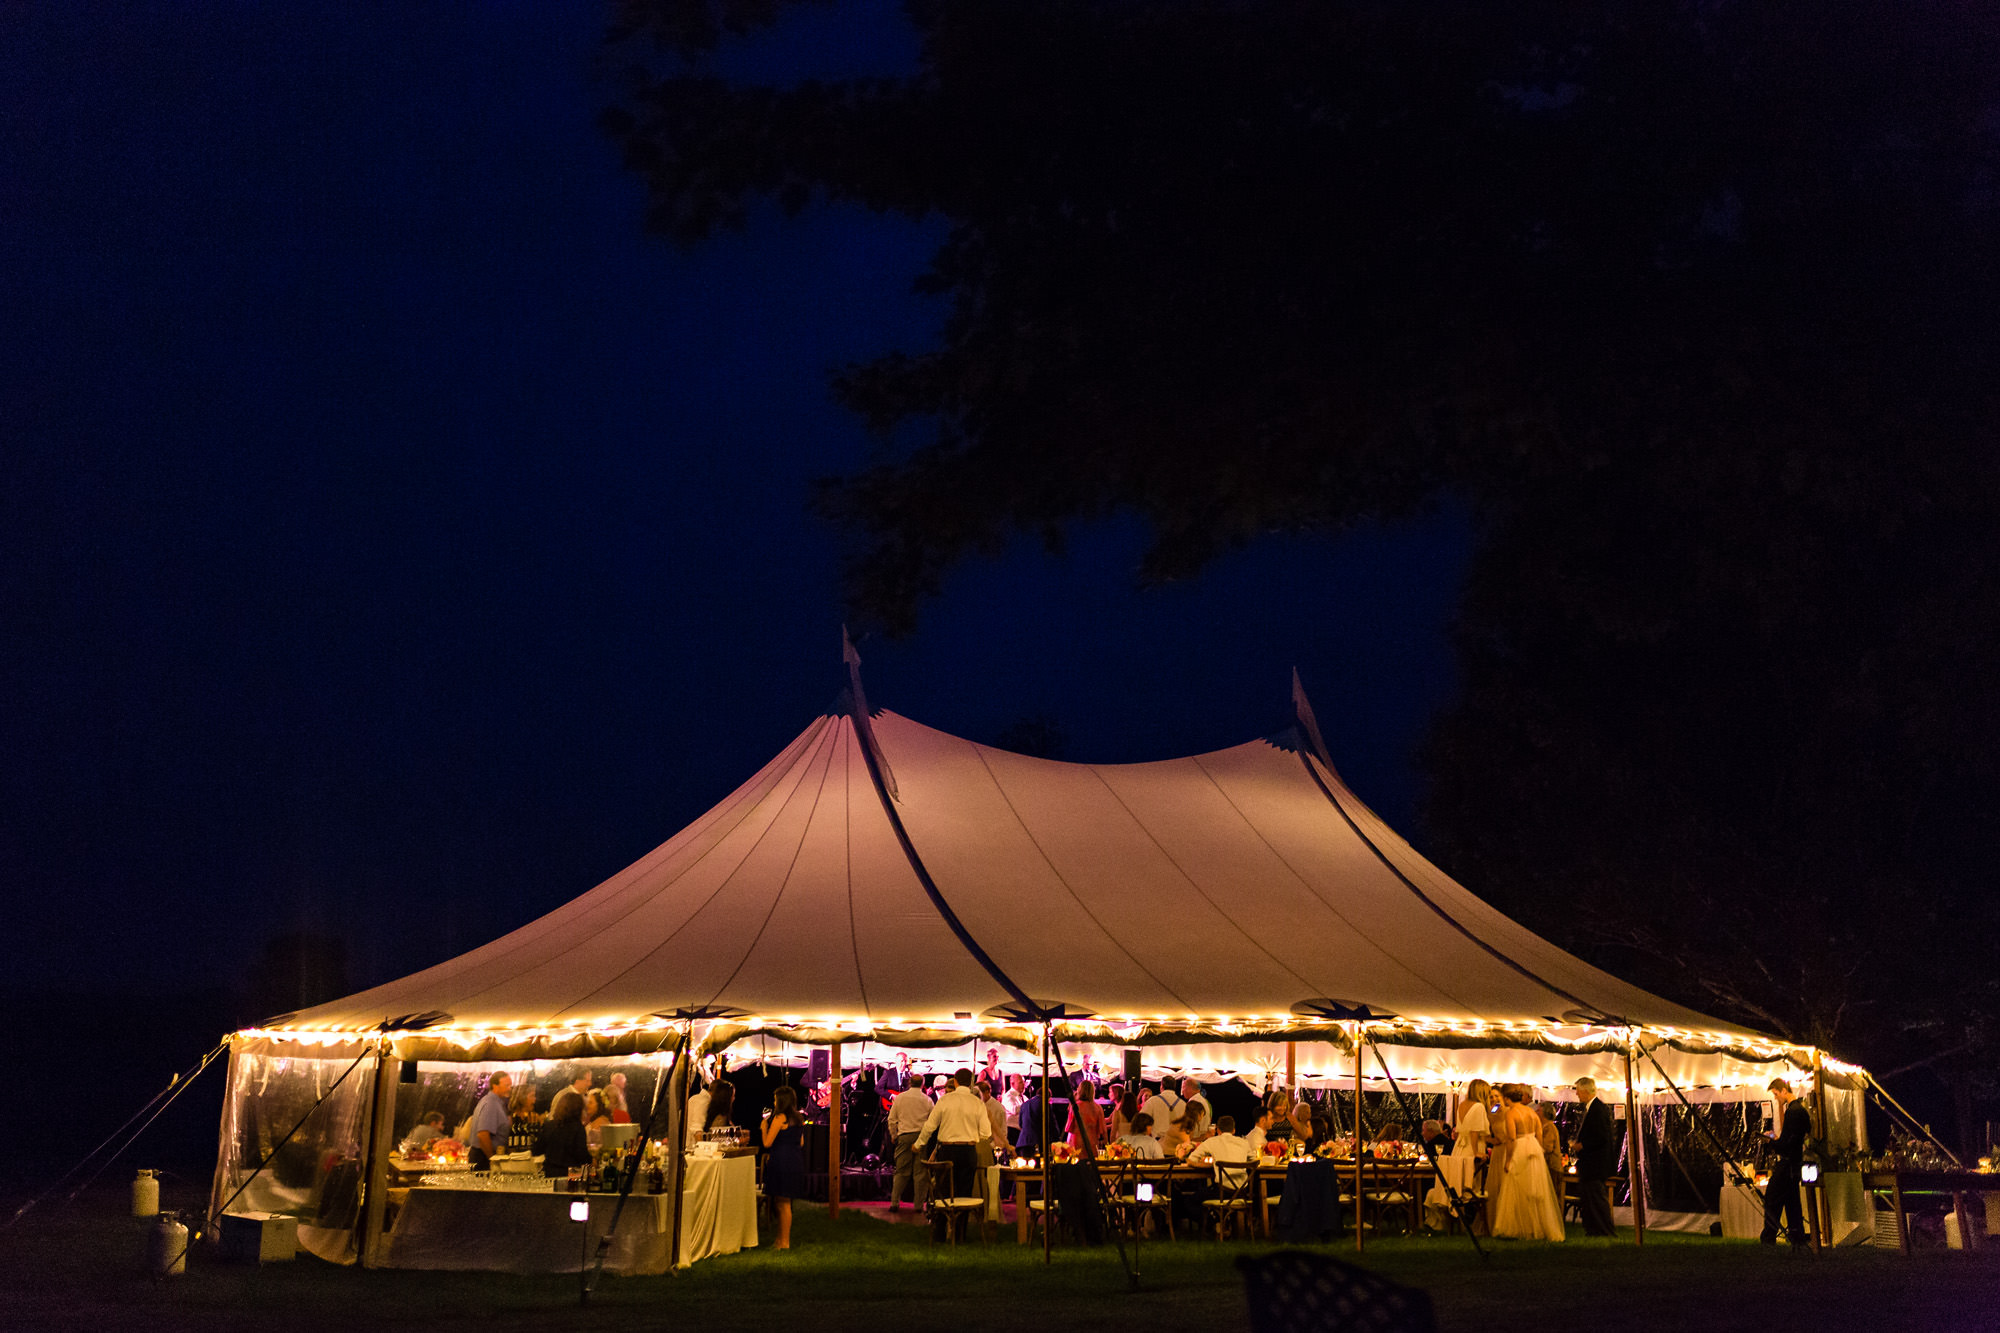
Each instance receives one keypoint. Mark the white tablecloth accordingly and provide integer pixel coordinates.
(511, 1232)
(1742, 1212)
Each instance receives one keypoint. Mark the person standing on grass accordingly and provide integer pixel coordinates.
(907, 1112)
(1165, 1106)
(490, 1122)
(992, 1151)
(785, 1163)
(575, 1088)
(1085, 1115)
(1781, 1194)
(1596, 1152)
(957, 1125)
(1204, 1115)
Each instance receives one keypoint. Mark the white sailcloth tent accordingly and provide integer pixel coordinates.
(885, 885)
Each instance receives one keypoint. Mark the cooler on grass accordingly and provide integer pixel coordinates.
(259, 1238)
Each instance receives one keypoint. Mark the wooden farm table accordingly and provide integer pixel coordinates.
(1110, 1169)
(1897, 1184)
(1409, 1175)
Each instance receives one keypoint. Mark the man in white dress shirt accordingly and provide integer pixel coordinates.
(908, 1111)
(957, 1123)
(697, 1113)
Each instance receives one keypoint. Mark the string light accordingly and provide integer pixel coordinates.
(1408, 1032)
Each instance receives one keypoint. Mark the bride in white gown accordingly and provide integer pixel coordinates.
(1525, 1206)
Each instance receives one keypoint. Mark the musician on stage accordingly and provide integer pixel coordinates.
(897, 1078)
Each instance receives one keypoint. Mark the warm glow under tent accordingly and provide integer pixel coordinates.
(886, 885)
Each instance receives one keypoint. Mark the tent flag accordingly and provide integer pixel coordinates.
(1303, 709)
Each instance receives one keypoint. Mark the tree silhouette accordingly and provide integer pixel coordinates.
(1690, 303)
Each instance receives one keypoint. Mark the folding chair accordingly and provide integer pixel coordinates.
(947, 1206)
(1270, 1200)
(1231, 1203)
(1391, 1190)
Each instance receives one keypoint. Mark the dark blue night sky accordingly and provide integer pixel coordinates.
(396, 541)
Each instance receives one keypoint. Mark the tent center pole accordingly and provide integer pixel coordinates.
(833, 1135)
(677, 1151)
(1048, 1201)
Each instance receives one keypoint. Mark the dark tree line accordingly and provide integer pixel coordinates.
(1692, 305)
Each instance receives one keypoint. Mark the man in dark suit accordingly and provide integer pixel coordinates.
(1596, 1152)
(1781, 1194)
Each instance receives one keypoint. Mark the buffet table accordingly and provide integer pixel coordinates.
(528, 1230)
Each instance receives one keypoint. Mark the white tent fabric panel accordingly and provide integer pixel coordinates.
(1557, 967)
(1223, 886)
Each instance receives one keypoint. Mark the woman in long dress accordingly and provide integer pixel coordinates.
(1522, 1192)
(1469, 1137)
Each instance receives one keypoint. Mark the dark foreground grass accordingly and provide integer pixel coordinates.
(76, 1268)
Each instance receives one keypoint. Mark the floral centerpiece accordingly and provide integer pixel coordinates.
(1061, 1151)
(1116, 1152)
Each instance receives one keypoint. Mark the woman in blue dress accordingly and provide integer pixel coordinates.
(785, 1162)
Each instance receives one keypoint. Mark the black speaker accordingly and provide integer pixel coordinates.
(1131, 1068)
(821, 1067)
(407, 1072)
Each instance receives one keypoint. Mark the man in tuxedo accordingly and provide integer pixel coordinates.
(1781, 1194)
(1596, 1153)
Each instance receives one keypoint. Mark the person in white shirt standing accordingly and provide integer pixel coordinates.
(992, 1150)
(1165, 1106)
(697, 1114)
(957, 1124)
(1204, 1113)
(907, 1113)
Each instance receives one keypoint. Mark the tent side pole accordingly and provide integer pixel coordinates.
(1292, 1068)
(833, 1135)
(677, 1152)
(1359, 1146)
(372, 1245)
(1048, 1202)
(1634, 1146)
(1816, 1192)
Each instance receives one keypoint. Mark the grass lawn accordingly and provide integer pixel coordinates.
(76, 1267)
